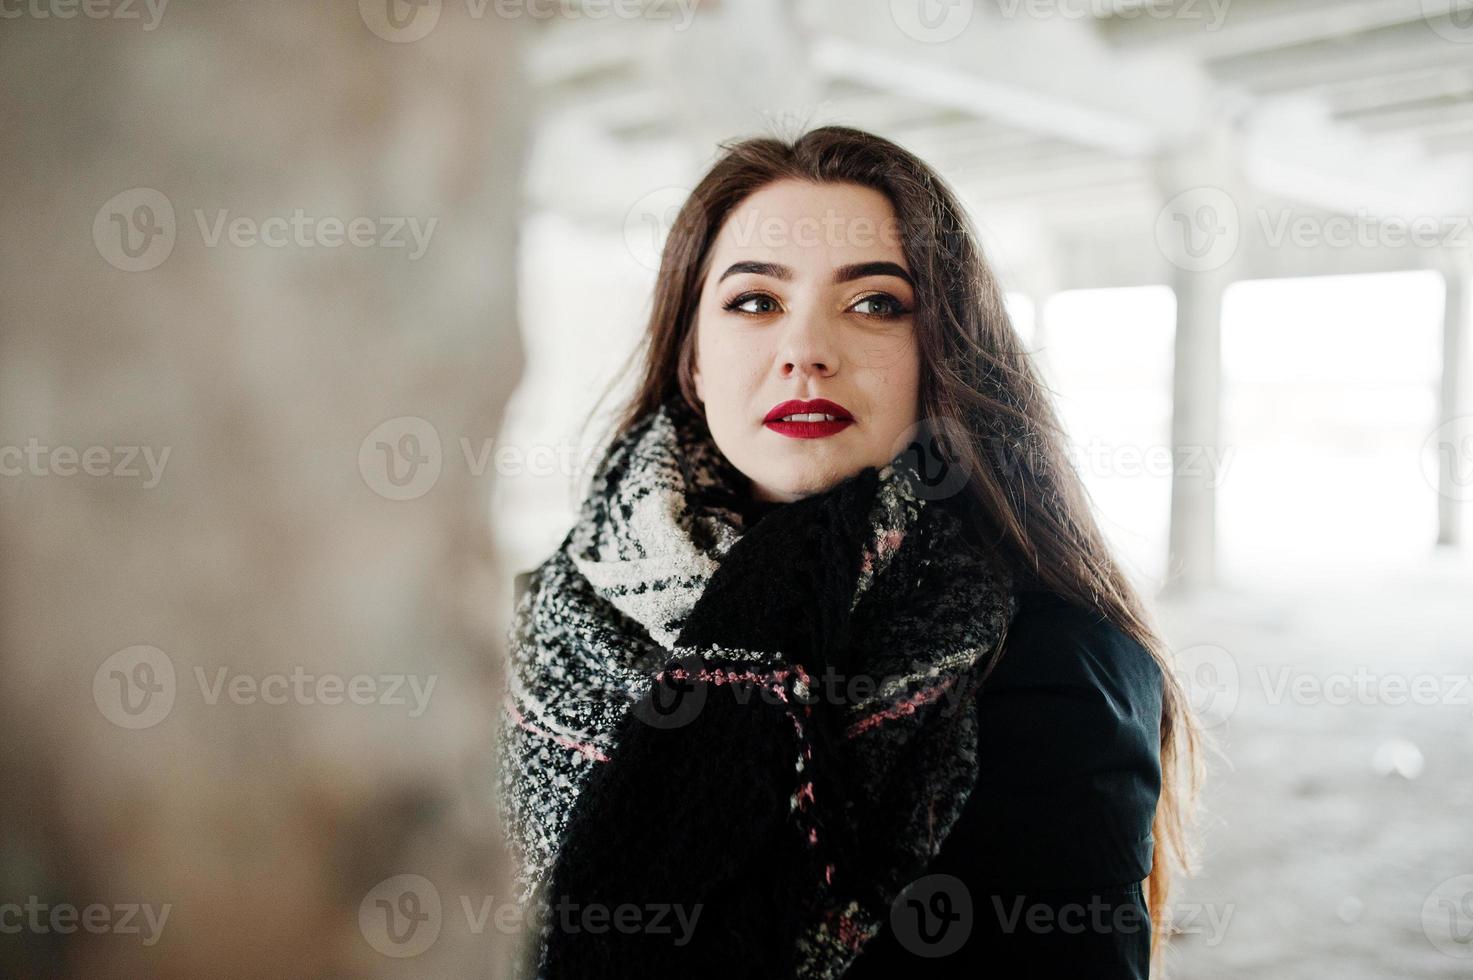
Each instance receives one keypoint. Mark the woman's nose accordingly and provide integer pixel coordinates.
(808, 349)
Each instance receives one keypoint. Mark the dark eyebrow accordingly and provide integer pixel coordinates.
(772, 269)
(845, 273)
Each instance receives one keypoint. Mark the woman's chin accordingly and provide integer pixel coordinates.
(785, 488)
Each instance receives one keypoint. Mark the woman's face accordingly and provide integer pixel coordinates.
(808, 299)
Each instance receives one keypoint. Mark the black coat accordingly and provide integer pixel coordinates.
(1040, 877)
(1054, 843)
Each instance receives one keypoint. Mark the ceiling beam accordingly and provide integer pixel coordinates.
(1011, 105)
(1249, 26)
(1396, 50)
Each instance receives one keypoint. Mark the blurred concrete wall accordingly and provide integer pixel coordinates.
(257, 282)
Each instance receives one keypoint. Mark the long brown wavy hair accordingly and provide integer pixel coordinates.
(1028, 499)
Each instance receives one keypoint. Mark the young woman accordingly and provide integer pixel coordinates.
(835, 675)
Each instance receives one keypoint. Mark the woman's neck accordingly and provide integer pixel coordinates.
(753, 505)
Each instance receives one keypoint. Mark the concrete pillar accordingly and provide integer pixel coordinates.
(238, 539)
(1042, 285)
(1198, 231)
(1042, 278)
(1452, 399)
(1195, 422)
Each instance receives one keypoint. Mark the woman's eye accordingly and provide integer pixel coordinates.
(880, 305)
(754, 303)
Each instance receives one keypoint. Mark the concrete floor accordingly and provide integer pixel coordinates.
(1329, 827)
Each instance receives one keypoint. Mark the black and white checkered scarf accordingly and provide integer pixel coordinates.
(765, 728)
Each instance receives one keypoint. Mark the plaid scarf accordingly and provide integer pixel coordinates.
(728, 744)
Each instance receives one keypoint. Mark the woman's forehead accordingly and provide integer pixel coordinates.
(808, 226)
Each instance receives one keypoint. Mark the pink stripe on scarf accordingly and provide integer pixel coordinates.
(899, 709)
(588, 751)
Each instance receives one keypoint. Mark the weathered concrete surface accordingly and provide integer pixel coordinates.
(265, 547)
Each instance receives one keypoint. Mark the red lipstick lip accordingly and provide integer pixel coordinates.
(797, 406)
